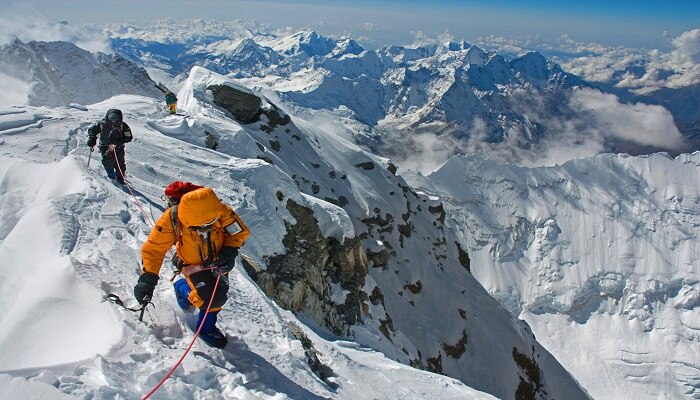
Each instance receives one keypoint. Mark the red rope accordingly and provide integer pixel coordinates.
(191, 343)
(138, 203)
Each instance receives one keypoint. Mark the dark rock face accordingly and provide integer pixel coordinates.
(245, 107)
(530, 386)
(318, 277)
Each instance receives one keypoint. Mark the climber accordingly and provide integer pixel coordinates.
(171, 101)
(114, 133)
(207, 235)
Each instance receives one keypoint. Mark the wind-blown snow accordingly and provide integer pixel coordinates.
(31, 189)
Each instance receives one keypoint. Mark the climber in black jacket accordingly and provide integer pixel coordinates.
(113, 133)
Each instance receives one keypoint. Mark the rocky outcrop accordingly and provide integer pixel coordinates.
(317, 276)
(247, 107)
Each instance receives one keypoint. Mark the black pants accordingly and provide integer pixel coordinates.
(110, 160)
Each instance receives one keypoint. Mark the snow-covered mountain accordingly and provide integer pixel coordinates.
(398, 99)
(599, 255)
(393, 73)
(61, 73)
(364, 263)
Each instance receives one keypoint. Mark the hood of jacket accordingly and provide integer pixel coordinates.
(200, 207)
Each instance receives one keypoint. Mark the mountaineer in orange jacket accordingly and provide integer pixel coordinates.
(207, 235)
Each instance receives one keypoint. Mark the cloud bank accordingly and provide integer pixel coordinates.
(639, 71)
(595, 122)
(679, 68)
(29, 26)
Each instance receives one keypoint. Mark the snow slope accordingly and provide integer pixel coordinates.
(599, 255)
(69, 237)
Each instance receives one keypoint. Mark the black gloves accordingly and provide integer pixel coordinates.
(147, 283)
(92, 142)
(227, 258)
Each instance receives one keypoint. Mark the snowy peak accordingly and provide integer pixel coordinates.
(526, 99)
(532, 67)
(307, 42)
(243, 57)
(346, 45)
(475, 55)
(456, 46)
(61, 73)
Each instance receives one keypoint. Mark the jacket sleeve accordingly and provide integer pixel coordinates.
(93, 131)
(126, 133)
(160, 240)
(235, 230)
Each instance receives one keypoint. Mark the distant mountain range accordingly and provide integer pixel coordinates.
(472, 99)
(455, 89)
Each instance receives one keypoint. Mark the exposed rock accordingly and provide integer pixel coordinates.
(463, 257)
(341, 201)
(456, 350)
(377, 297)
(440, 210)
(531, 384)
(302, 280)
(275, 117)
(392, 168)
(379, 259)
(386, 327)
(245, 107)
(365, 165)
(435, 364)
(210, 141)
(321, 370)
(415, 288)
(377, 220)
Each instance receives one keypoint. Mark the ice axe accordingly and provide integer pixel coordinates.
(146, 301)
(90, 158)
(116, 300)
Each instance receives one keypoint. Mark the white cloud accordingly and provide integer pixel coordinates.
(30, 26)
(640, 123)
(13, 91)
(369, 27)
(425, 152)
(597, 63)
(596, 120)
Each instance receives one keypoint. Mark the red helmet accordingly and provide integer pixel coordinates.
(177, 189)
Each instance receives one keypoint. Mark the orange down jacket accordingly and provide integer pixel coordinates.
(196, 208)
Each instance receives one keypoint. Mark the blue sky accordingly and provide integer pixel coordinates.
(633, 23)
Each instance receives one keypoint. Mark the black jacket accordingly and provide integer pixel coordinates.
(115, 136)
